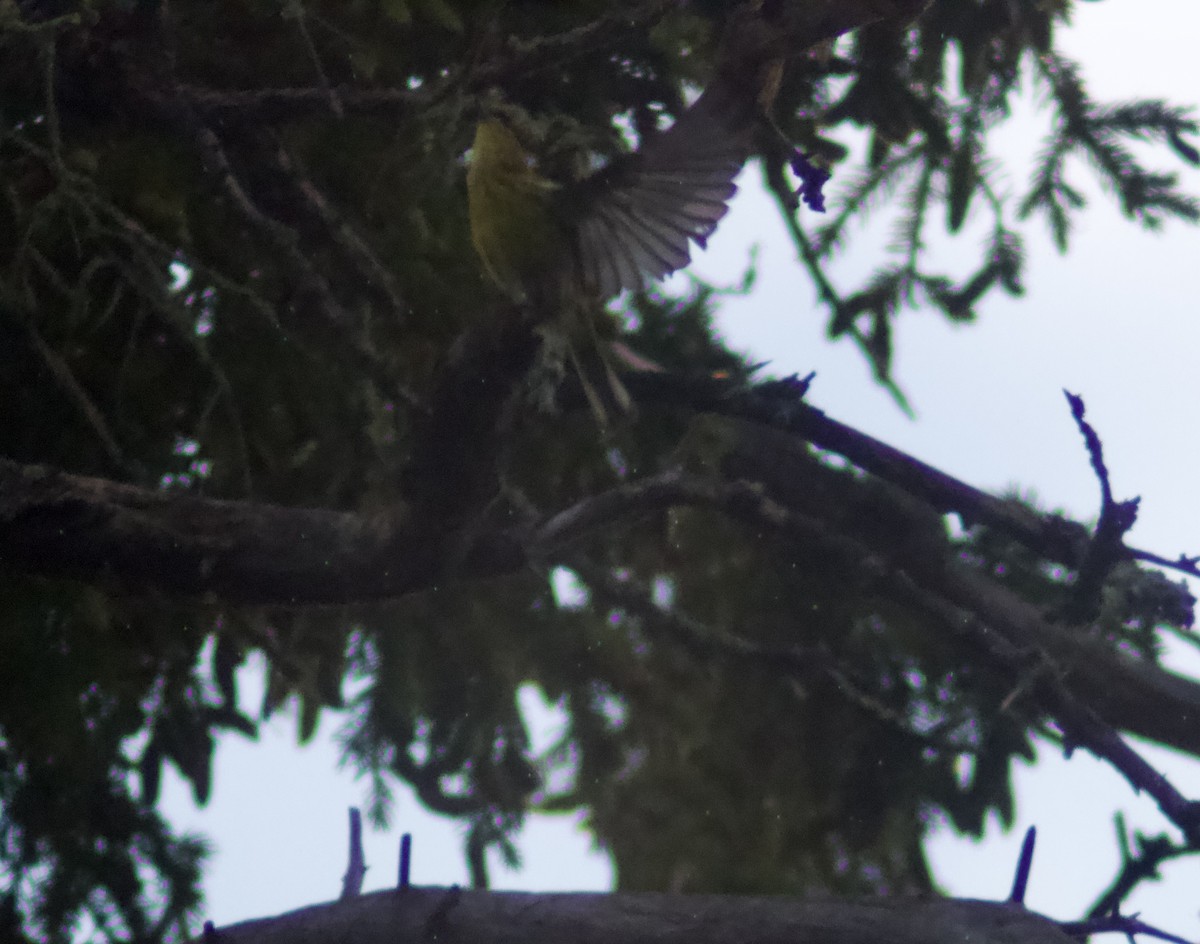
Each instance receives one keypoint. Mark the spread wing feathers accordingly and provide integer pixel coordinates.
(635, 218)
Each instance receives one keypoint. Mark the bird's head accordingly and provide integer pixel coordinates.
(513, 225)
(506, 137)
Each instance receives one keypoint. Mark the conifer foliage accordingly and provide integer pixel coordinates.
(257, 399)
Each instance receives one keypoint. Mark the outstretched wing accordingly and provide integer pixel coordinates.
(635, 220)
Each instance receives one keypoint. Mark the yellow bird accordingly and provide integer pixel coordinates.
(633, 221)
(563, 247)
(629, 223)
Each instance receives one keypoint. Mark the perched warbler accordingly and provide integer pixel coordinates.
(629, 222)
(548, 241)
(561, 247)
(545, 241)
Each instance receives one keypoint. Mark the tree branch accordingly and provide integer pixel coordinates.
(438, 914)
(54, 524)
(57, 525)
(268, 105)
(1125, 693)
(1069, 676)
(1050, 536)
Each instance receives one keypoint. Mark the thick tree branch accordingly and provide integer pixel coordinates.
(279, 104)
(1129, 694)
(1050, 536)
(428, 915)
(1126, 694)
(58, 525)
(55, 524)
(1065, 685)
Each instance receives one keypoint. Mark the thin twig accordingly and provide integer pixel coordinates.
(294, 10)
(277, 104)
(78, 396)
(1136, 868)
(356, 866)
(340, 231)
(1118, 924)
(287, 242)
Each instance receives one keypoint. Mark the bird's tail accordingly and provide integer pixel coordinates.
(607, 397)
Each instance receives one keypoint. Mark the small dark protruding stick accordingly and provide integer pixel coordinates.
(1094, 448)
(1136, 867)
(356, 869)
(1024, 864)
(1118, 924)
(405, 860)
(1107, 547)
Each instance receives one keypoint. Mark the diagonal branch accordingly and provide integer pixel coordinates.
(286, 242)
(801, 663)
(57, 525)
(1014, 635)
(1050, 536)
(1066, 676)
(79, 398)
(341, 232)
(423, 914)
(54, 524)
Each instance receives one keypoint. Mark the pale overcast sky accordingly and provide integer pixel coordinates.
(1114, 321)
